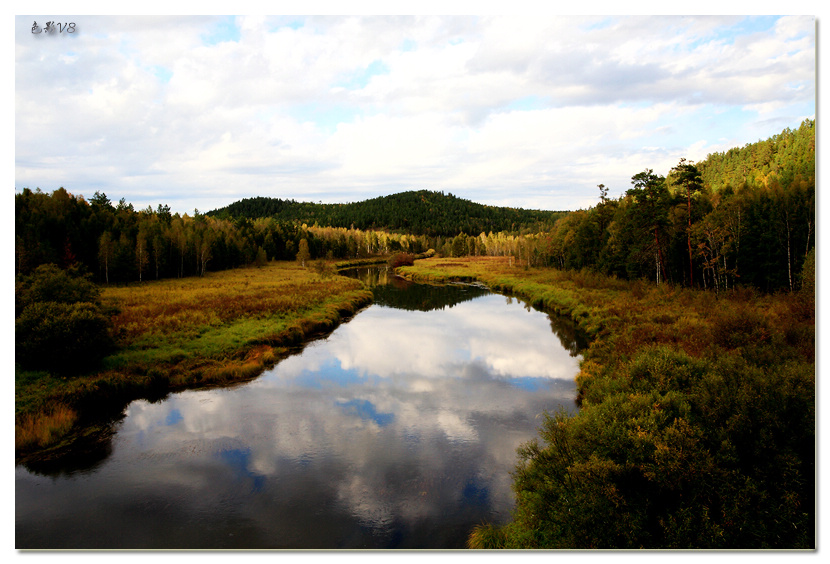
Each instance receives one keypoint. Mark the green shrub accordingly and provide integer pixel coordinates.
(59, 323)
(682, 453)
(48, 283)
(61, 337)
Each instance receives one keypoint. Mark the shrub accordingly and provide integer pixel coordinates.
(401, 259)
(48, 283)
(61, 337)
(324, 268)
(261, 258)
(693, 453)
(738, 328)
(59, 323)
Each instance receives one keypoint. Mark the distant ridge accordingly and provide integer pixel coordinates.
(421, 212)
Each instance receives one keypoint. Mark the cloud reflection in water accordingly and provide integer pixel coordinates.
(399, 430)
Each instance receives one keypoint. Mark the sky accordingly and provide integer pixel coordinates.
(526, 110)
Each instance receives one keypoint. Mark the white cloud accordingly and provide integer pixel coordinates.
(523, 111)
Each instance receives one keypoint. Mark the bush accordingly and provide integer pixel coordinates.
(261, 258)
(61, 337)
(48, 283)
(324, 268)
(402, 259)
(59, 323)
(739, 328)
(685, 453)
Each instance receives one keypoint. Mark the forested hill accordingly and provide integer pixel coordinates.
(420, 212)
(779, 160)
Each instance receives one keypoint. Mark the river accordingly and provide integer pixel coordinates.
(398, 430)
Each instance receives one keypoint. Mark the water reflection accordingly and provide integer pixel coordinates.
(393, 291)
(398, 431)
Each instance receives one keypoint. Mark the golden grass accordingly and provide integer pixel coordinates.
(168, 306)
(42, 429)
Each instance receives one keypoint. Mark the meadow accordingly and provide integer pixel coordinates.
(222, 328)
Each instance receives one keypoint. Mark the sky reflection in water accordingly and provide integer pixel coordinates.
(399, 430)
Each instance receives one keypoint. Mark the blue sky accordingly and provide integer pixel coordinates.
(527, 111)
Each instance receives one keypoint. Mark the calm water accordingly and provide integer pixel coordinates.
(397, 431)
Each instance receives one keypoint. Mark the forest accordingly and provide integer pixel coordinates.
(743, 217)
(421, 212)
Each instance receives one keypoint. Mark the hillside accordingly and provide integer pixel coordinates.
(779, 160)
(420, 212)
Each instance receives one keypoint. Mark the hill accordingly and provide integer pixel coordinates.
(422, 212)
(780, 160)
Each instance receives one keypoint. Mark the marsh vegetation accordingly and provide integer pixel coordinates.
(398, 430)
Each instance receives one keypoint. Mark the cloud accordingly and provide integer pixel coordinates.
(522, 111)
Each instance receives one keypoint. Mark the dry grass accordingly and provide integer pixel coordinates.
(221, 314)
(42, 429)
(169, 306)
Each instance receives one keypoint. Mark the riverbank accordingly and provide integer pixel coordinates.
(697, 426)
(622, 317)
(223, 328)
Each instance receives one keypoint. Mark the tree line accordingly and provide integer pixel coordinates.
(743, 217)
(116, 243)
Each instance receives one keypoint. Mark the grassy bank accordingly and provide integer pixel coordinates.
(697, 427)
(214, 330)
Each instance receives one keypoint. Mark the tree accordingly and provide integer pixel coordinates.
(142, 256)
(808, 284)
(303, 255)
(688, 176)
(203, 243)
(261, 258)
(106, 247)
(178, 237)
(157, 246)
(100, 199)
(713, 241)
(651, 197)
